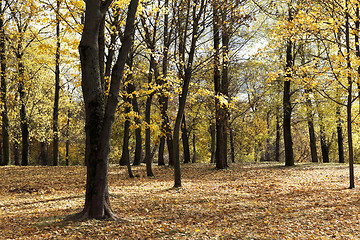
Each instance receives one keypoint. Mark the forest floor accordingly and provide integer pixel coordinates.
(250, 201)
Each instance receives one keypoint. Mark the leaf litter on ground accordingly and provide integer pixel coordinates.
(246, 201)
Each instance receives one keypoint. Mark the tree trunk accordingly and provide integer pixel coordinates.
(289, 153)
(43, 155)
(220, 113)
(57, 90)
(349, 102)
(213, 142)
(125, 156)
(194, 149)
(100, 117)
(23, 118)
(314, 157)
(339, 131)
(232, 146)
(16, 153)
(138, 137)
(67, 144)
(185, 141)
(4, 114)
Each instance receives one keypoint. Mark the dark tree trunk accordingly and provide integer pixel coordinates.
(220, 111)
(57, 90)
(23, 118)
(43, 155)
(213, 142)
(125, 156)
(324, 144)
(163, 99)
(340, 141)
(161, 160)
(16, 153)
(194, 148)
(185, 75)
(289, 153)
(232, 146)
(148, 157)
(138, 137)
(100, 116)
(4, 114)
(278, 136)
(67, 144)
(314, 157)
(349, 102)
(185, 141)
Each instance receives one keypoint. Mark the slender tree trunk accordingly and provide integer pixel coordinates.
(67, 143)
(138, 137)
(43, 155)
(232, 146)
(213, 142)
(57, 90)
(339, 130)
(4, 114)
(125, 156)
(194, 149)
(314, 157)
(185, 141)
(289, 153)
(349, 102)
(278, 136)
(16, 148)
(23, 118)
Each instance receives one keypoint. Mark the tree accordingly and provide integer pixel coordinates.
(100, 113)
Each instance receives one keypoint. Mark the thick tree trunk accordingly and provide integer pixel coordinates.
(4, 114)
(100, 117)
(185, 141)
(220, 113)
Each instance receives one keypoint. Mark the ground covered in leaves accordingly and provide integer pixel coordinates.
(251, 201)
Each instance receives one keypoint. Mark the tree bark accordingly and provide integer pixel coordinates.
(278, 136)
(16, 153)
(4, 114)
(194, 149)
(43, 155)
(312, 138)
(213, 142)
(232, 146)
(289, 153)
(349, 102)
(185, 141)
(220, 109)
(57, 90)
(100, 116)
(138, 137)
